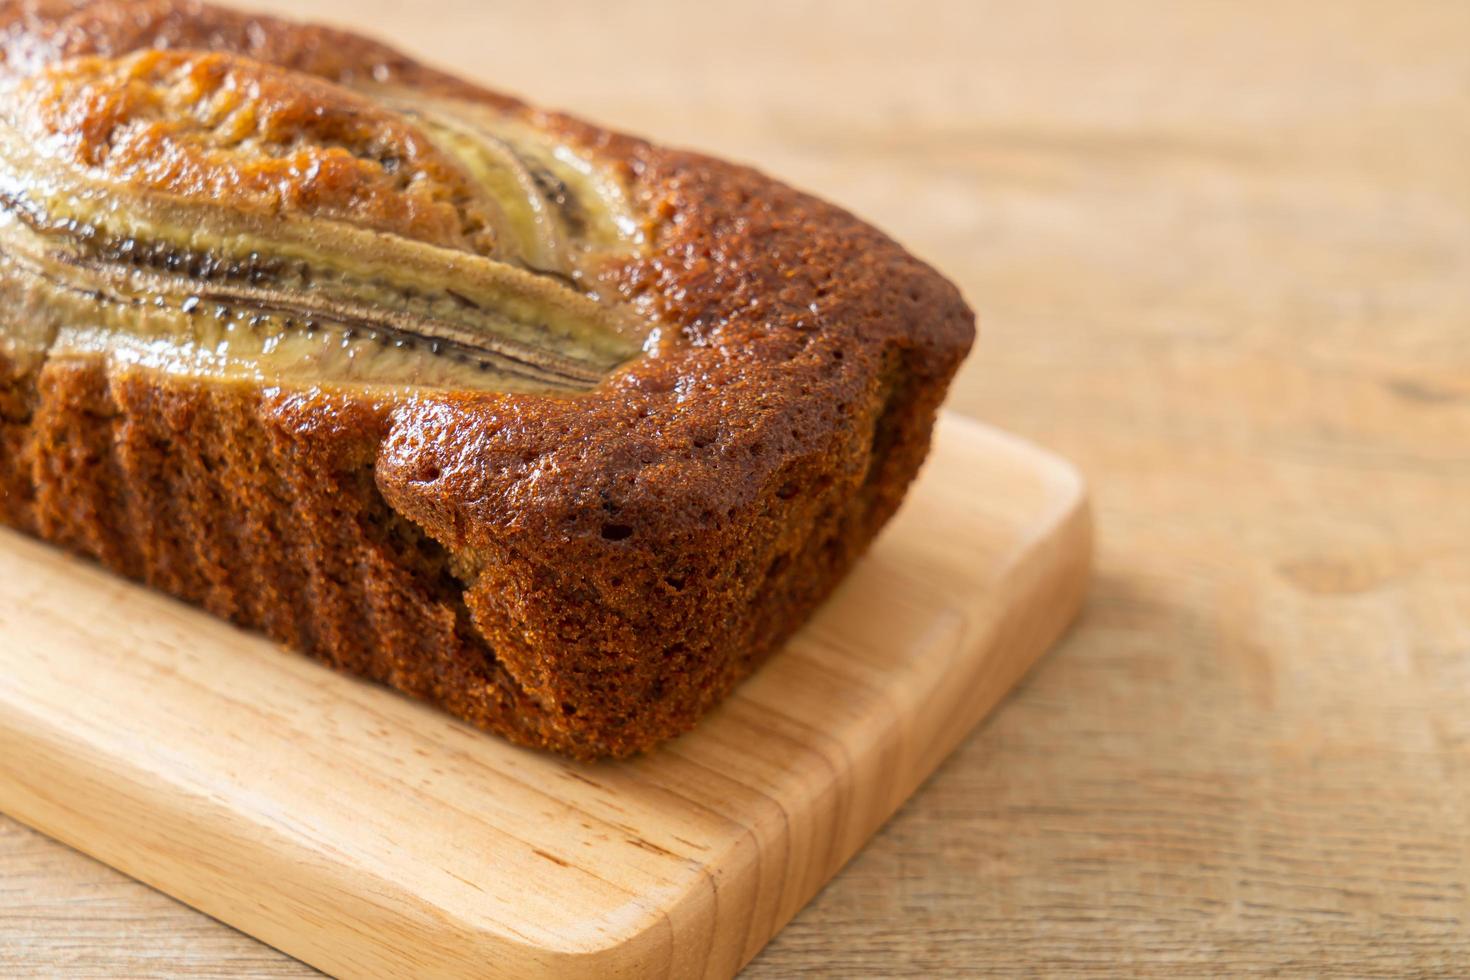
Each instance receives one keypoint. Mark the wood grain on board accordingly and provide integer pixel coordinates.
(372, 836)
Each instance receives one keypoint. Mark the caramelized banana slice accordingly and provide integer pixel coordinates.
(164, 184)
(559, 205)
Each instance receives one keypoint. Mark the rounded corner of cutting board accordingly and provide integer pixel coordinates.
(960, 440)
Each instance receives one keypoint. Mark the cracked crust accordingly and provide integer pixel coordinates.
(207, 126)
(587, 574)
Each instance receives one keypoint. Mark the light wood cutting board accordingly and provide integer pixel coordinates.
(367, 834)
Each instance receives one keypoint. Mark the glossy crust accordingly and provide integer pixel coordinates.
(588, 574)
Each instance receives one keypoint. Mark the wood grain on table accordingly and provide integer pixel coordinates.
(1221, 253)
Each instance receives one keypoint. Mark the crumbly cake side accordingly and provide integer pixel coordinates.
(587, 574)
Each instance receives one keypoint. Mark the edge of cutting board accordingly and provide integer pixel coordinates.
(366, 834)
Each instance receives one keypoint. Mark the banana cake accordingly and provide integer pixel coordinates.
(559, 430)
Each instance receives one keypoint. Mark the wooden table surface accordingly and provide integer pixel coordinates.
(1221, 253)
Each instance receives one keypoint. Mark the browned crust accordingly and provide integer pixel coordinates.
(589, 575)
(215, 127)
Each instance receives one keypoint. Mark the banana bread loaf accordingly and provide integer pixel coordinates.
(553, 428)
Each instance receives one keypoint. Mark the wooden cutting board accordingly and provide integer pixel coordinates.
(367, 834)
